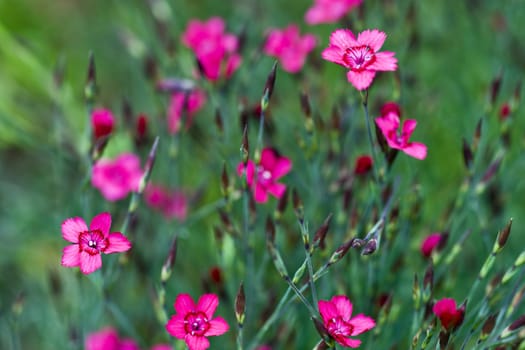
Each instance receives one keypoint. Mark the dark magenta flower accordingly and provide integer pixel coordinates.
(263, 178)
(430, 243)
(289, 47)
(171, 203)
(89, 243)
(339, 323)
(180, 103)
(102, 123)
(363, 165)
(449, 315)
(108, 339)
(360, 55)
(194, 323)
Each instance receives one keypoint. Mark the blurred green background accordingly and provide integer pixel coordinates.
(449, 53)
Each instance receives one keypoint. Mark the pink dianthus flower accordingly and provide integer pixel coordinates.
(263, 177)
(289, 47)
(431, 243)
(339, 323)
(108, 339)
(115, 179)
(181, 103)
(194, 323)
(215, 49)
(89, 243)
(329, 11)
(389, 125)
(360, 55)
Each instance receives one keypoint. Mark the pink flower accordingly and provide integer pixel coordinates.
(215, 50)
(108, 339)
(363, 164)
(329, 11)
(172, 204)
(336, 314)
(504, 111)
(289, 47)
(431, 243)
(449, 315)
(102, 122)
(162, 347)
(182, 103)
(88, 243)
(263, 177)
(389, 125)
(360, 55)
(115, 179)
(194, 323)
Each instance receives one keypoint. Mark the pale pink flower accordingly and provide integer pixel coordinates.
(431, 243)
(194, 323)
(263, 177)
(89, 243)
(115, 179)
(339, 323)
(289, 47)
(172, 203)
(360, 56)
(187, 104)
(329, 11)
(389, 126)
(448, 313)
(102, 122)
(215, 49)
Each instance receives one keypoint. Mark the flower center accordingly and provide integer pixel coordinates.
(93, 242)
(263, 176)
(196, 323)
(336, 326)
(358, 58)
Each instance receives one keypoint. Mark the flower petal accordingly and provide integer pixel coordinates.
(250, 171)
(408, 128)
(281, 168)
(89, 263)
(71, 256)
(347, 342)
(106, 338)
(208, 304)
(218, 326)
(343, 306)
(334, 54)
(260, 195)
(373, 38)
(268, 159)
(197, 343)
(101, 222)
(327, 310)
(416, 150)
(361, 323)
(118, 243)
(343, 38)
(361, 80)
(72, 228)
(175, 326)
(184, 304)
(276, 189)
(385, 61)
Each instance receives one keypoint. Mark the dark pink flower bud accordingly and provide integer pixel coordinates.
(102, 123)
(363, 165)
(430, 243)
(391, 107)
(450, 316)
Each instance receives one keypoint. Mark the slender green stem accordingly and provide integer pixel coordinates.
(370, 138)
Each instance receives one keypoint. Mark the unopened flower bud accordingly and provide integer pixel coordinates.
(487, 327)
(370, 247)
(148, 168)
(240, 305)
(169, 262)
(320, 235)
(268, 87)
(90, 90)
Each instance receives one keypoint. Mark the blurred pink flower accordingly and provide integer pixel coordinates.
(329, 11)
(182, 103)
(336, 314)
(215, 50)
(263, 177)
(102, 122)
(162, 347)
(389, 124)
(108, 339)
(194, 323)
(449, 315)
(289, 47)
(116, 179)
(504, 111)
(363, 164)
(360, 55)
(172, 204)
(89, 243)
(263, 347)
(430, 243)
